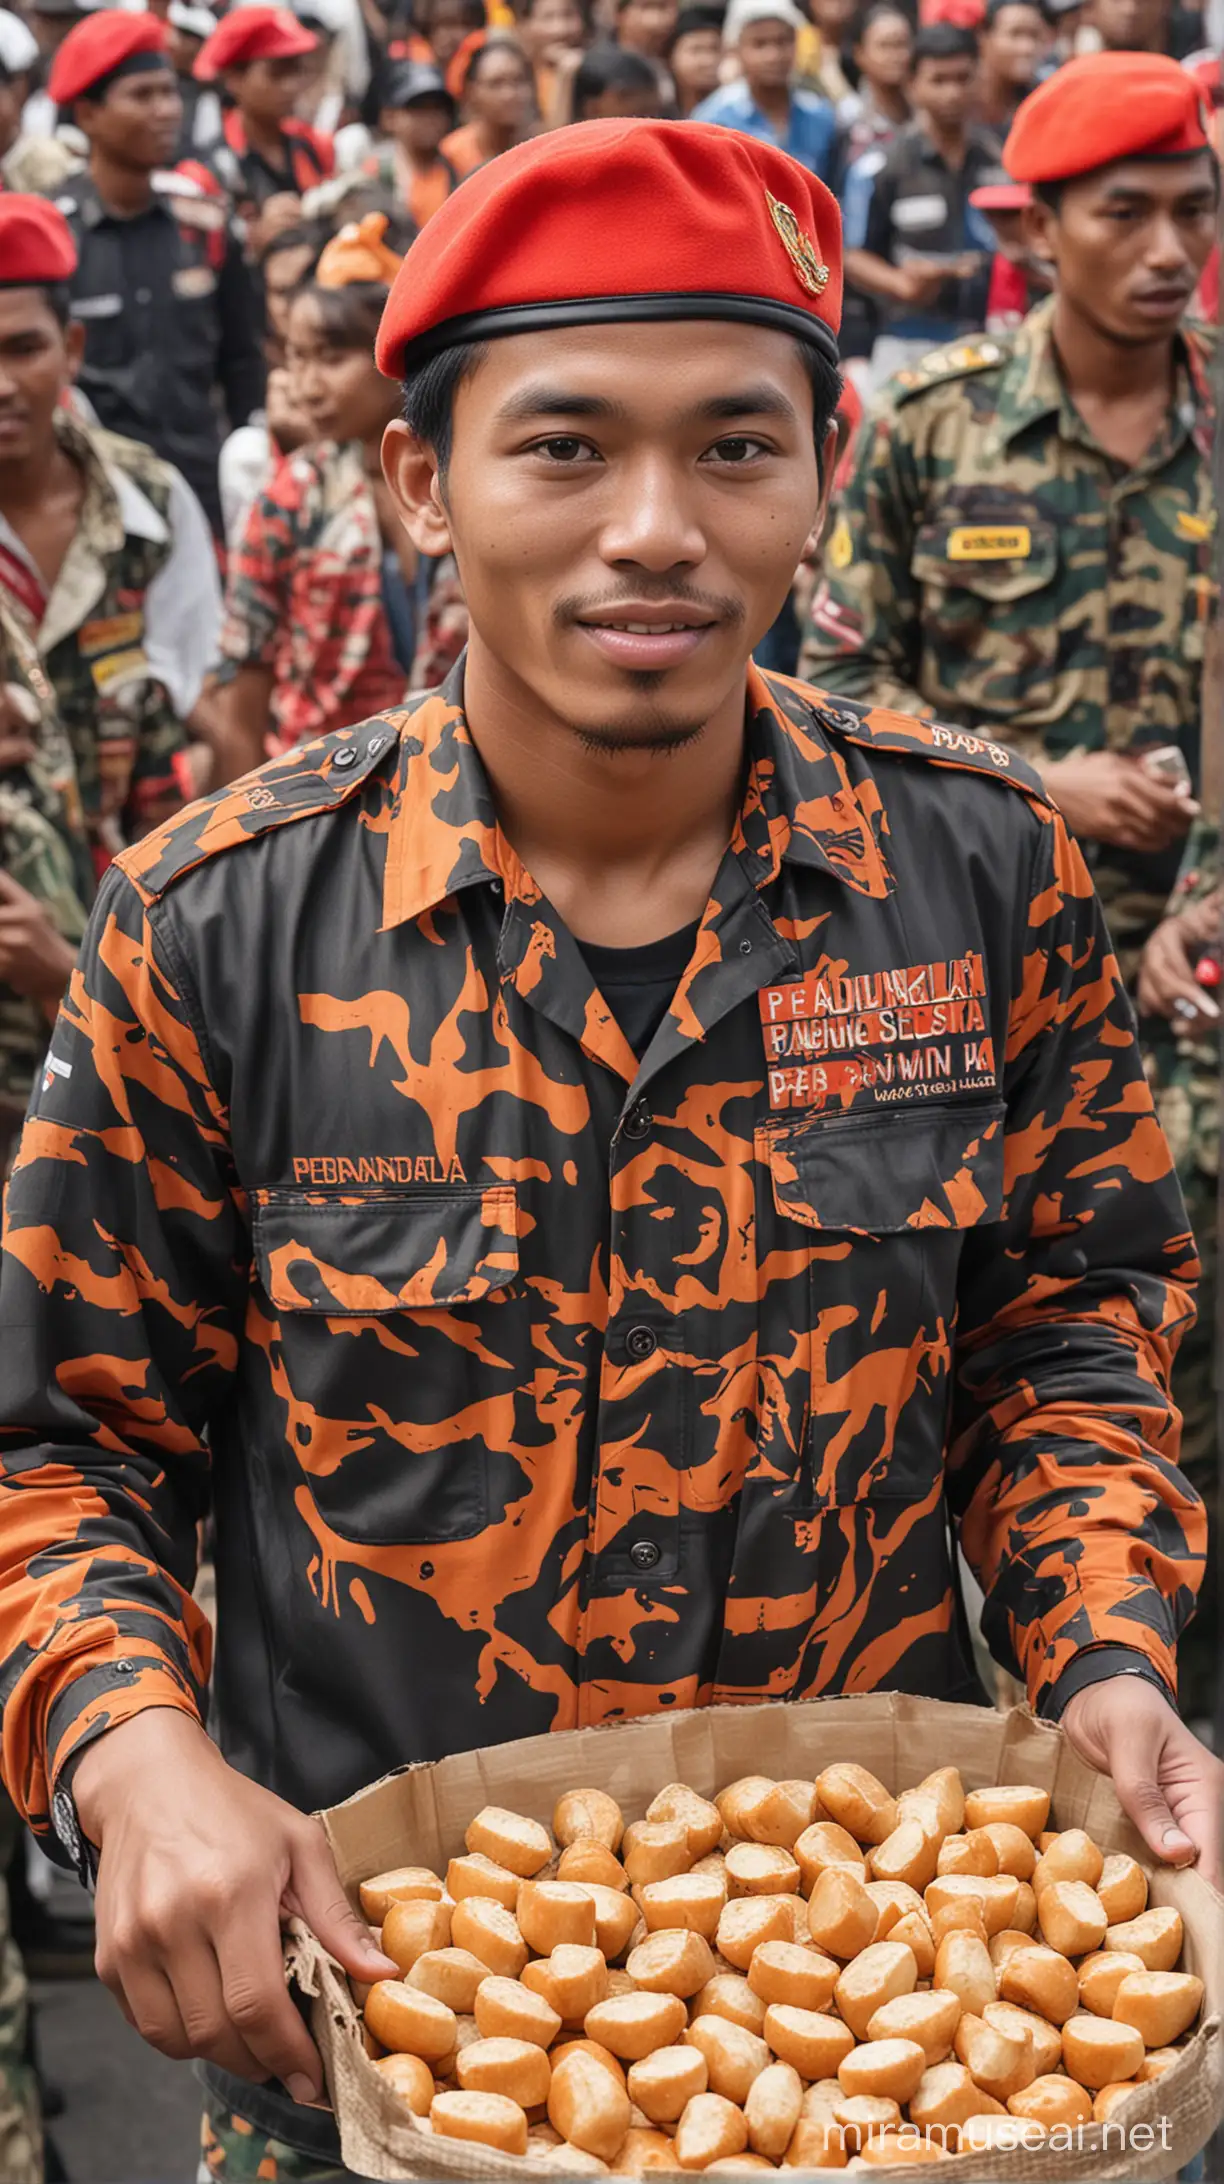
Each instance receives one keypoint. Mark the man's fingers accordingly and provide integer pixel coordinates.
(258, 2005)
(1144, 1801)
(314, 1891)
(148, 2002)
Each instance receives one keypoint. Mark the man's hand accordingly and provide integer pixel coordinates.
(1106, 797)
(35, 959)
(199, 1866)
(1167, 985)
(1168, 1783)
(919, 280)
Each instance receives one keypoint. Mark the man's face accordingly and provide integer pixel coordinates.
(268, 90)
(645, 26)
(37, 359)
(137, 123)
(448, 27)
(12, 99)
(284, 271)
(695, 60)
(767, 55)
(336, 386)
(420, 127)
(946, 90)
(832, 19)
(1130, 26)
(1129, 243)
(1014, 44)
(627, 506)
(553, 27)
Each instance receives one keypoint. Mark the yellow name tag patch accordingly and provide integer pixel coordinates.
(113, 633)
(120, 667)
(1192, 526)
(990, 542)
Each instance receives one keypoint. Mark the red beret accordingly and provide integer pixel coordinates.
(616, 220)
(98, 46)
(36, 245)
(1104, 107)
(252, 34)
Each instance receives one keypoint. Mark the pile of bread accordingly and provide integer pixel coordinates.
(813, 1975)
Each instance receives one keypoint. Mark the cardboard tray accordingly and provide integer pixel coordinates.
(418, 1816)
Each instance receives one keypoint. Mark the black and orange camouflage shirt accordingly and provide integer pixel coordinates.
(533, 1384)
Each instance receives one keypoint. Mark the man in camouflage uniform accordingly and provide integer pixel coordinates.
(1027, 539)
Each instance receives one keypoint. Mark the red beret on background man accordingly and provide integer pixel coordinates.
(252, 34)
(110, 43)
(1104, 107)
(36, 245)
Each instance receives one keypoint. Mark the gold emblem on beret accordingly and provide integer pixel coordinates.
(799, 248)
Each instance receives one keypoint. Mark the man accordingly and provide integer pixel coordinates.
(18, 56)
(256, 53)
(763, 101)
(170, 310)
(1028, 539)
(925, 252)
(103, 549)
(188, 24)
(645, 27)
(1011, 43)
(573, 1230)
(1134, 26)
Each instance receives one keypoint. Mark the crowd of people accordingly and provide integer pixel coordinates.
(202, 567)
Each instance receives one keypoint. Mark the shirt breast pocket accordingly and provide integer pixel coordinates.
(886, 1200)
(398, 1324)
(990, 610)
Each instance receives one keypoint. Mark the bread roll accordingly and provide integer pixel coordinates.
(812, 2043)
(863, 2116)
(1015, 1852)
(749, 1921)
(963, 1967)
(1157, 2062)
(466, 2030)
(588, 1816)
(893, 1900)
(1046, 2038)
(858, 1801)
(487, 2119)
(737, 1798)
(403, 1884)
(944, 1789)
(590, 1863)
(779, 1814)
(507, 2010)
(1100, 1976)
(701, 1821)
(411, 1929)
(663, 2084)
(1039, 1979)
(601, 2055)
(783, 1971)
(510, 1839)
(973, 1853)
(914, 1930)
(552, 1912)
(1052, 2099)
(571, 2160)
(997, 2059)
(908, 1854)
(572, 1980)
(1001, 2134)
(880, 1972)
(796, 1910)
(761, 1869)
(1025, 1914)
(735, 2164)
(516, 2068)
(453, 1976)
(729, 1995)
(491, 1933)
(619, 1981)
(945, 2095)
(672, 1962)
(1122, 1888)
(1160, 2005)
(1072, 1856)
(898, 2150)
(841, 1915)
(1155, 1937)
(655, 1850)
(634, 2025)
(962, 1915)
(1071, 1917)
(410, 2079)
(587, 2106)
(409, 2022)
(616, 1918)
(890, 2068)
(476, 1875)
(1024, 1806)
(1098, 2051)
(930, 2019)
(822, 1845)
(692, 1900)
(644, 2151)
(772, 2108)
(1111, 2097)
(1001, 1946)
(818, 2143)
(710, 2129)
(734, 2057)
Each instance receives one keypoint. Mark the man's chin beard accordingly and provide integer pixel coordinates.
(653, 730)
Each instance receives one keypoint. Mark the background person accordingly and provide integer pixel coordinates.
(416, 114)
(499, 102)
(763, 101)
(1012, 43)
(694, 56)
(258, 54)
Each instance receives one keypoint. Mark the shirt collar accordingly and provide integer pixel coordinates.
(801, 804)
(1031, 387)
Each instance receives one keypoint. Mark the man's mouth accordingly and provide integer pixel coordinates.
(648, 640)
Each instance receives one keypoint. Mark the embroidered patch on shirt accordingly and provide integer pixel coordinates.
(873, 1038)
(990, 542)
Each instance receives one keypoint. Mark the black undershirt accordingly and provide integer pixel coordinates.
(638, 983)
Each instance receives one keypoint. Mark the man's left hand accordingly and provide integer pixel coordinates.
(1168, 1783)
(35, 959)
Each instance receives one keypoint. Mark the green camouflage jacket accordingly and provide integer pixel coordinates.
(42, 847)
(991, 564)
(1185, 1071)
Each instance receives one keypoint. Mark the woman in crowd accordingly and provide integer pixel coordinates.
(608, 85)
(694, 54)
(549, 31)
(499, 101)
(318, 627)
(878, 65)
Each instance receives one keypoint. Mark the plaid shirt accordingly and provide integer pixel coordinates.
(535, 1384)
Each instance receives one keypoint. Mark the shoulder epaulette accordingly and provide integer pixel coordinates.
(311, 779)
(958, 361)
(880, 729)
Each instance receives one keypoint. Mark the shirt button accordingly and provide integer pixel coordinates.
(144, 295)
(345, 758)
(644, 1555)
(641, 1342)
(639, 1121)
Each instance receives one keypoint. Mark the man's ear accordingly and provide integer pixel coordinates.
(410, 468)
(1040, 230)
(74, 348)
(828, 469)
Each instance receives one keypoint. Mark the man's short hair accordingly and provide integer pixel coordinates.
(55, 294)
(994, 9)
(944, 42)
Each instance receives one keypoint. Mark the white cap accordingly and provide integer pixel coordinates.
(742, 12)
(193, 21)
(18, 47)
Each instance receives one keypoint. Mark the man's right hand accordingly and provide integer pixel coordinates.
(1106, 797)
(919, 280)
(199, 1866)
